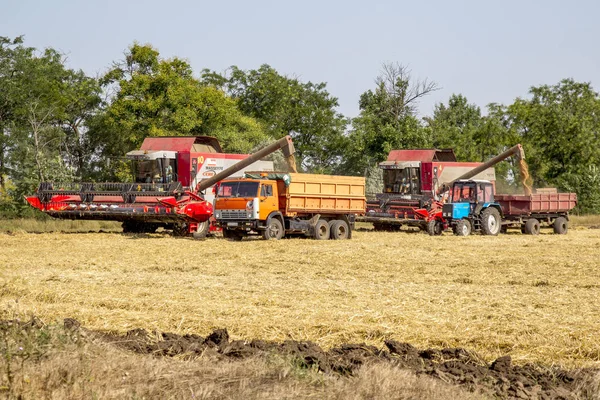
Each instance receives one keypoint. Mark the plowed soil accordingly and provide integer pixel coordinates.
(456, 366)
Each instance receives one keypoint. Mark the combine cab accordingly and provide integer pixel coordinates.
(170, 175)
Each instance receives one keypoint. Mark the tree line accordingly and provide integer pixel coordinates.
(58, 124)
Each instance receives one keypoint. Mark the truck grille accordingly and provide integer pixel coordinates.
(234, 214)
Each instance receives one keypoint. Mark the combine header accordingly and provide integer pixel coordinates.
(171, 177)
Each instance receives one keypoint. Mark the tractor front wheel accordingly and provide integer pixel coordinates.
(490, 221)
(463, 228)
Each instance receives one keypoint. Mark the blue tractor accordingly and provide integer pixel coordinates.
(473, 209)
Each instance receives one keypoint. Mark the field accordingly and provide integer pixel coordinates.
(533, 298)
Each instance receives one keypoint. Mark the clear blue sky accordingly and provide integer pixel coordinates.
(488, 51)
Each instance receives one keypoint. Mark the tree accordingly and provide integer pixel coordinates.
(160, 97)
(285, 105)
(388, 118)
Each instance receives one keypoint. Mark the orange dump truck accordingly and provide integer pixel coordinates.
(276, 204)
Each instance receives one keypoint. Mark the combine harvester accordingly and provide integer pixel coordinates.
(416, 193)
(412, 179)
(171, 177)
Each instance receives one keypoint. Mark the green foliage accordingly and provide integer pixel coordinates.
(387, 119)
(285, 105)
(586, 183)
(160, 97)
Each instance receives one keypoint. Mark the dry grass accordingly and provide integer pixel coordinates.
(54, 364)
(535, 298)
(585, 220)
(56, 225)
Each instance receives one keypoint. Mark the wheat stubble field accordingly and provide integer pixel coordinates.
(534, 298)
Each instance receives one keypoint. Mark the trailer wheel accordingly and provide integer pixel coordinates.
(321, 230)
(560, 225)
(463, 228)
(434, 228)
(274, 230)
(490, 221)
(532, 227)
(339, 229)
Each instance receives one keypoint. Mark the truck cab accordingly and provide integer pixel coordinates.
(244, 205)
(473, 208)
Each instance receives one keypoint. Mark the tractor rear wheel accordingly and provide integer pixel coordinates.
(339, 229)
(274, 230)
(434, 228)
(560, 225)
(463, 228)
(490, 221)
(532, 227)
(321, 230)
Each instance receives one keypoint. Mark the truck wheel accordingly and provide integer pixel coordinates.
(321, 230)
(532, 226)
(203, 228)
(434, 228)
(339, 229)
(560, 225)
(274, 230)
(463, 228)
(490, 221)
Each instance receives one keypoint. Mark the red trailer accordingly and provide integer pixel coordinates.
(530, 212)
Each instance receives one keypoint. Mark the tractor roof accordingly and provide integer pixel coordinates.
(422, 155)
(199, 144)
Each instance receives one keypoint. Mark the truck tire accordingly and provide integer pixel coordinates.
(203, 228)
(490, 221)
(463, 228)
(560, 225)
(321, 230)
(274, 230)
(532, 227)
(434, 228)
(339, 230)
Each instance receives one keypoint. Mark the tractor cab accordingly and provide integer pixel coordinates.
(473, 208)
(153, 166)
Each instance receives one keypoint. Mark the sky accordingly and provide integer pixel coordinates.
(487, 51)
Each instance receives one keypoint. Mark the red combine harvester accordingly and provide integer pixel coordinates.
(171, 177)
(411, 180)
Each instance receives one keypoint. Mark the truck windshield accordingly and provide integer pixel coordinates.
(463, 193)
(238, 189)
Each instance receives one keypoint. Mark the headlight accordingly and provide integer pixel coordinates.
(249, 204)
(249, 215)
(218, 214)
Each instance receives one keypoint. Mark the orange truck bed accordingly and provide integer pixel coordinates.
(324, 194)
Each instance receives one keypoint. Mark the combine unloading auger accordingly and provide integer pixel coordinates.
(144, 207)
